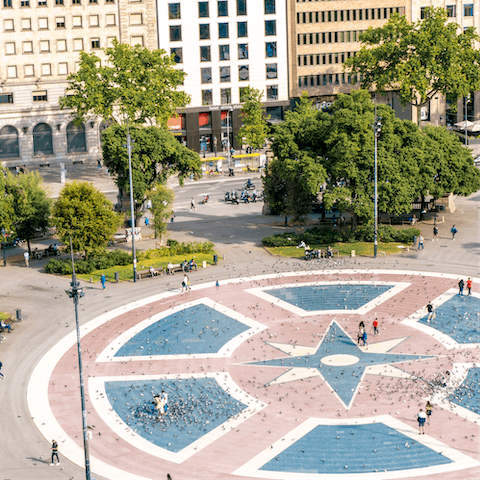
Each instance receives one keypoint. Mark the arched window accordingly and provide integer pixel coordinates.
(42, 140)
(76, 138)
(9, 142)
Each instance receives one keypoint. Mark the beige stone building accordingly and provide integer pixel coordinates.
(40, 43)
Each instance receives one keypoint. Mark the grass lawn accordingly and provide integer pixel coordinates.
(126, 271)
(361, 248)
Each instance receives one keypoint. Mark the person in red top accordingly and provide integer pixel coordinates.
(375, 327)
(469, 286)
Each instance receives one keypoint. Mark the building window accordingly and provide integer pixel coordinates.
(205, 54)
(10, 48)
(94, 21)
(222, 8)
(109, 1)
(136, 19)
(203, 10)
(243, 73)
(45, 45)
(27, 47)
(224, 74)
(25, 3)
(204, 29)
(79, 2)
(110, 19)
(46, 69)
(63, 68)
(242, 51)
(242, 29)
(225, 95)
(468, 10)
(270, 27)
(8, 25)
(241, 7)
(61, 45)
(29, 71)
(76, 138)
(137, 40)
(174, 11)
(204, 118)
(242, 94)
(272, 92)
(95, 43)
(78, 44)
(451, 11)
(42, 3)
(177, 122)
(207, 99)
(177, 54)
(271, 49)
(40, 96)
(12, 71)
(59, 2)
(275, 114)
(42, 136)
(272, 71)
(26, 24)
(92, 1)
(60, 21)
(223, 30)
(175, 33)
(423, 12)
(43, 23)
(8, 135)
(224, 52)
(7, 4)
(269, 7)
(77, 21)
(206, 74)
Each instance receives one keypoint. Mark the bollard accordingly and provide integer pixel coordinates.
(91, 280)
(117, 277)
(18, 314)
(353, 253)
(215, 259)
(204, 264)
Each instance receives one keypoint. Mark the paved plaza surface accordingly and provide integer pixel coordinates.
(264, 374)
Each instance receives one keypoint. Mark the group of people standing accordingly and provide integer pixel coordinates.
(362, 332)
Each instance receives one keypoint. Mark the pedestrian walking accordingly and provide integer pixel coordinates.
(26, 256)
(375, 327)
(420, 242)
(431, 312)
(461, 284)
(469, 286)
(364, 338)
(428, 411)
(54, 454)
(1, 374)
(435, 233)
(103, 280)
(186, 284)
(421, 417)
(192, 204)
(99, 164)
(453, 231)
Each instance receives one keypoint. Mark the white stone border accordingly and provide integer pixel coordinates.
(253, 467)
(448, 342)
(262, 292)
(108, 354)
(117, 425)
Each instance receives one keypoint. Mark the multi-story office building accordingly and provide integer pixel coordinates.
(225, 46)
(40, 43)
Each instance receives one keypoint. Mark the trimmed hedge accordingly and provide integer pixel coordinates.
(327, 235)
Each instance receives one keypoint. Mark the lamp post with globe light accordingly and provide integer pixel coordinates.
(377, 128)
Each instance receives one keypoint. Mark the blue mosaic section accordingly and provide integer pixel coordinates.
(343, 379)
(333, 449)
(195, 407)
(467, 395)
(329, 297)
(197, 329)
(458, 318)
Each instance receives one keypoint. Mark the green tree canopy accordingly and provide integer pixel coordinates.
(29, 205)
(156, 154)
(85, 214)
(255, 128)
(6, 207)
(134, 84)
(419, 59)
(162, 200)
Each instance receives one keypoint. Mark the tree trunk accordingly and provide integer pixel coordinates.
(28, 246)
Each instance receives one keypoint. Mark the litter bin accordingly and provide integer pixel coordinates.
(117, 277)
(441, 208)
(215, 259)
(18, 314)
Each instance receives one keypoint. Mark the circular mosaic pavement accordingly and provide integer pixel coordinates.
(265, 378)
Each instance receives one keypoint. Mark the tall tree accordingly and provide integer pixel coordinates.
(30, 204)
(6, 207)
(156, 155)
(134, 84)
(85, 214)
(255, 128)
(420, 59)
(162, 200)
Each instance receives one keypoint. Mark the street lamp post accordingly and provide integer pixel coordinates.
(76, 293)
(377, 128)
(228, 138)
(466, 119)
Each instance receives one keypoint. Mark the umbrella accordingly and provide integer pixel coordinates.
(474, 128)
(461, 125)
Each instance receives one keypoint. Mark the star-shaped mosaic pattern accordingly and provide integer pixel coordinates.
(340, 362)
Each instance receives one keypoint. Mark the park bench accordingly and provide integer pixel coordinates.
(147, 273)
(176, 267)
(335, 251)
